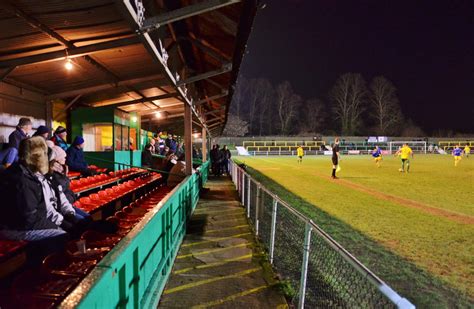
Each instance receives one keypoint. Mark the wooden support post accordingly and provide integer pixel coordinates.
(49, 115)
(188, 145)
(204, 145)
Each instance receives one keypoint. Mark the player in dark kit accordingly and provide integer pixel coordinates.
(335, 157)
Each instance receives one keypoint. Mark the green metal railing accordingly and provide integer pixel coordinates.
(134, 273)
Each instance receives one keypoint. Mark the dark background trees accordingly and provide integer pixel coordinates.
(351, 107)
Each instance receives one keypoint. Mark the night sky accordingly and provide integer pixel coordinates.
(426, 48)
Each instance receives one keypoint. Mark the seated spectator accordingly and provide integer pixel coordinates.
(177, 172)
(27, 210)
(8, 157)
(59, 180)
(21, 132)
(147, 157)
(59, 138)
(42, 131)
(152, 143)
(75, 157)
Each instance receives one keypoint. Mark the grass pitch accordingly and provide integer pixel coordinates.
(415, 230)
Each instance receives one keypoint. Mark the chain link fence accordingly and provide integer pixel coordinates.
(320, 271)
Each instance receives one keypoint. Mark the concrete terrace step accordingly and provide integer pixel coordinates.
(219, 264)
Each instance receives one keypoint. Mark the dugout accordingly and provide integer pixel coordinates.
(118, 72)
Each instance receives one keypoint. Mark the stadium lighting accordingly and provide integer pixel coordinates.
(196, 135)
(134, 118)
(158, 115)
(68, 65)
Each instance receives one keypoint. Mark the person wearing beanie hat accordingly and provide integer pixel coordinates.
(59, 138)
(21, 132)
(62, 185)
(27, 200)
(75, 157)
(42, 131)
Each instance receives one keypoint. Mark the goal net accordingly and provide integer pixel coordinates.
(416, 146)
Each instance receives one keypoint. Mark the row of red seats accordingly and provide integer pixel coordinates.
(61, 272)
(102, 179)
(97, 200)
(97, 169)
(9, 247)
(91, 182)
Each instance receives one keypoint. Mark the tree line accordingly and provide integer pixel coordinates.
(351, 107)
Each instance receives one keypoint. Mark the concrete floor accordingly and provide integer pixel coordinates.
(219, 264)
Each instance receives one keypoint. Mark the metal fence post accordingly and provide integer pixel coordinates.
(304, 266)
(273, 229)
(257, 202)
(243, 188)
(248, 197)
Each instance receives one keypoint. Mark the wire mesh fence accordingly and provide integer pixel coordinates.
(321, 272)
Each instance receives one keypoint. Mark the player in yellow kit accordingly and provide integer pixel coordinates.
(300, 154)
(405, 152)
(467, 151)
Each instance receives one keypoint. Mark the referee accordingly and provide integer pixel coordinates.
(335, 157)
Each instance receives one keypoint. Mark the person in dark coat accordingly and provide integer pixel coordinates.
(147, 156)
(42, 131)
(21, 132)
(24, 207)
(59, 138)
(75, 157)
(225, 157)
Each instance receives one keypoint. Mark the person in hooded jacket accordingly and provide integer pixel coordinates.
(28, 204)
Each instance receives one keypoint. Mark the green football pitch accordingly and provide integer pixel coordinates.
(415, 230)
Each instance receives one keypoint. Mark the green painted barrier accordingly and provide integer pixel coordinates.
(134, 273)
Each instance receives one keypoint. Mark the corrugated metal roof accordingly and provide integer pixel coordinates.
(203, 38)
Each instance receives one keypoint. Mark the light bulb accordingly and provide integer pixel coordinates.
(134, 118)
(68, 65)
(158, 115)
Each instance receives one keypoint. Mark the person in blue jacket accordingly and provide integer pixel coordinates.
(75, 157)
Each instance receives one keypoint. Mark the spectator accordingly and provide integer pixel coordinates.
(152, 144)
(225, 157)
(173, 144)
(27, 210)
(59, 138)
(61, 184)
(42, 131)
(21, 132)
(168, 140)
(147, 157)
(196, 153)
(75, 157)
(179, 149)
(214, 157)
(161, 144)
(8, 157)
(177, 172)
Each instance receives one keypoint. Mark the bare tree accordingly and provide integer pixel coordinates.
(348, 98)
(412, 130)
(287, 105)
(239, 97)
(235, 126)
(313, 117)
(385, 105)
(254, 95)
(264, 103)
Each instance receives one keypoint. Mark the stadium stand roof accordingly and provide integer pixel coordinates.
(117, 52)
